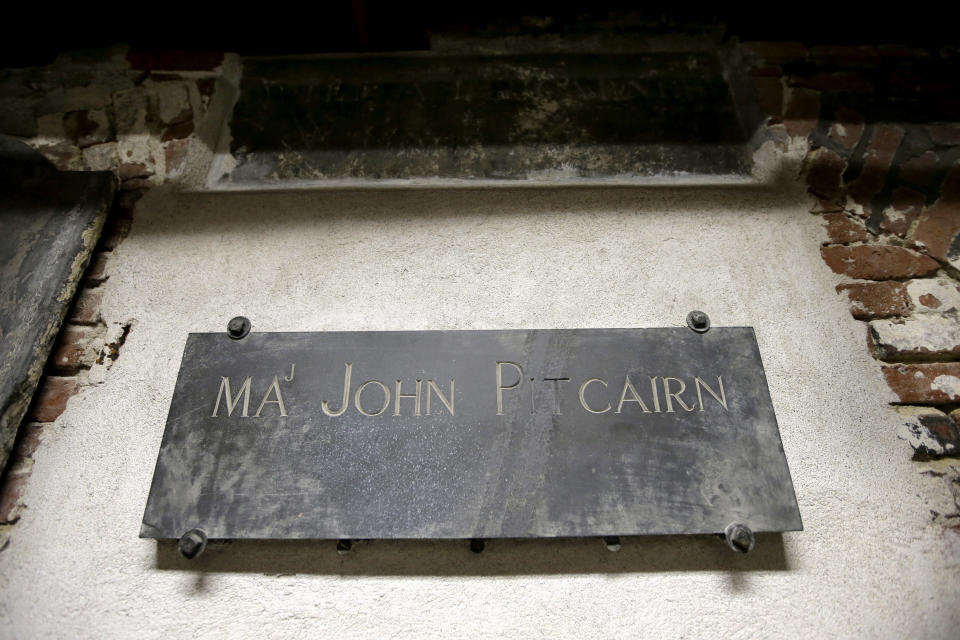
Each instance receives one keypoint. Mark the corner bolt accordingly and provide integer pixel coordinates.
(238, 327)
(698, 321)
(739, 537)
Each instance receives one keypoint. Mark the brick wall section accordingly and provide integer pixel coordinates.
(135, 115)
(883, 169)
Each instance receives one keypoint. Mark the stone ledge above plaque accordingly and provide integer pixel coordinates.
(471, 434)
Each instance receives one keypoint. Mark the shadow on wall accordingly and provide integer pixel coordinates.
(507, 557)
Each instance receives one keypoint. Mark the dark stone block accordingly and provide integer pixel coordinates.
(51, 221)
(518, 116)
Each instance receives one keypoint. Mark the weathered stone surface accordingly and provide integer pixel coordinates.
(930, 432)
(869, 300)
(842, 229)
(925, 336)
(872, 262)
(51, 222)
(934, 295)
(825, 173)
(523, 116)
(924, 383)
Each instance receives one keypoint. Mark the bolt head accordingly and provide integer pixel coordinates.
(698, 321)
(739, 537)
(238, 327)
(192, 543)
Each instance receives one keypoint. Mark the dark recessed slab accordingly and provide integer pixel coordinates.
(514, 117)
(50, 222)
(583, 432)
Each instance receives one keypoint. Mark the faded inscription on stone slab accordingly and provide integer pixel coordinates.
(470, 434)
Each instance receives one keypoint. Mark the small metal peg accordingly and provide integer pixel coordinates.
(698, 321)
(739, 537)
(612, 542)
(192, 543)
(477, 545)
(344, 546)
(238, 327)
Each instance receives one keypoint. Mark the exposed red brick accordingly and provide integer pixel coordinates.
(68, 352)
(28, 439)
(174, 60)
(825, 173)
(870, 300)
(135, 184)
(206, 86)
(129, 170)
(11, 493)
(940, 224)
(825, 206)
(86, 306)
(930, 301)
(175, 155)
(801, 112)
(920, 170)
(51, 398)
(926, 383)
(884, 142)
(845, 81)
(868, 262)
(860, 53)
(96, 271)
(905, 207)
(775, 52)
(848, 128)
(770, 96)
(914, 82)
(114, 232)
(841, 229)
(766, 71)
(177, 131)
(947, 134)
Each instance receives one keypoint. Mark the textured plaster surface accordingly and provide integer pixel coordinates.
(869, 564)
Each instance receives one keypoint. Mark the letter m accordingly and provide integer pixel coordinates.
(231, 399)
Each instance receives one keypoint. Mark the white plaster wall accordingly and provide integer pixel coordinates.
(870, 563)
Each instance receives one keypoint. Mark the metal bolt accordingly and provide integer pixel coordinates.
(477, 545)
(192, 543)
(612, 542)
(238, 327)
(344, 546)
(739, 537)
(698, 321)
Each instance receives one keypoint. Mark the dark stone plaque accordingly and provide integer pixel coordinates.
(471, 434)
